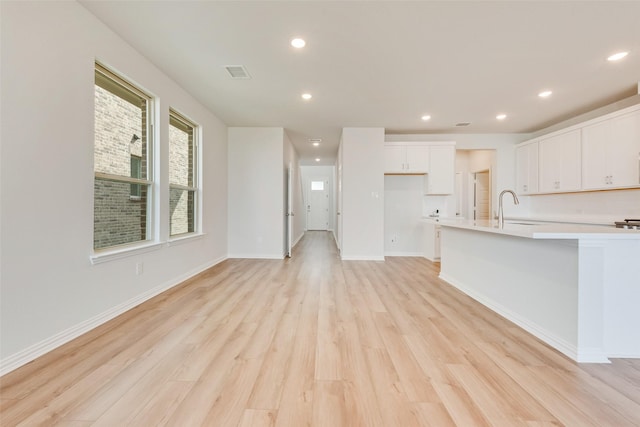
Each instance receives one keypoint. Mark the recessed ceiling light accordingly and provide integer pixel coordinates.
(425, 118)
(617, 56)
(298, 43)
(315, 144)
(306, 96)
(545, 94)
(317, 159)
(501, 116)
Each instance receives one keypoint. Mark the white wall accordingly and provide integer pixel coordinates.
(256, 192)
(403, 230)
(50, 290)
(362, 193)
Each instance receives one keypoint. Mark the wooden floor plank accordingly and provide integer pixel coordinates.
(315, 341)
(258, 418)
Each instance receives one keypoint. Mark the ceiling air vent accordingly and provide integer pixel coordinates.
(237, 72)
(462, 124)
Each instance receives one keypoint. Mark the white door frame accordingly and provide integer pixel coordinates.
(289, 213)
(475, 196)
(327, 192)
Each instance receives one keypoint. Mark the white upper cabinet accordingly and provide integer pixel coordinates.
(435, 160)
(611, 153)
(407, 159)
(600, 154)
(395, 159)
(527, 168)
(418, 158)
(560, 163)
(441, 177)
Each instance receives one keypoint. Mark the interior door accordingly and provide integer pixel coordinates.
(318, 204)
(482, 199)
(289, 213)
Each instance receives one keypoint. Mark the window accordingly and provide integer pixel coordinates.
(136, 172)
(317, 185)
(183, 176)
(122, 185)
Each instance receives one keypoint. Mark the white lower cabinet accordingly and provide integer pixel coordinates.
(431, 238)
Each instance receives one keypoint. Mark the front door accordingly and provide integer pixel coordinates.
(318, 204)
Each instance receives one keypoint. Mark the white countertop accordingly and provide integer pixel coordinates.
(534, 230)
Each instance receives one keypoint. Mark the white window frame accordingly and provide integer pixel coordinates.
(196, 181)
(151, 242)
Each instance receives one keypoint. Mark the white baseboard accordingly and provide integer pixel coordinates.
(583, 355)
(255, 256)
(297, 240)
(412, 254)
(34, 351)
(362, 258)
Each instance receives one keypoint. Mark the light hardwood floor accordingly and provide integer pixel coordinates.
(314, 341)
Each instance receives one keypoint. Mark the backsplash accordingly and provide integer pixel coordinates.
(446, 205)
(604, 207)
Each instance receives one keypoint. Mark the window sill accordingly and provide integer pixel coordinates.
(125, 252)
(180, 239)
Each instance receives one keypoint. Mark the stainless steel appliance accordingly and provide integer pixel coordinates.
(633, 224)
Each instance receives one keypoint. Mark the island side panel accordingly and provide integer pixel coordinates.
(622, 298)
(533, 283)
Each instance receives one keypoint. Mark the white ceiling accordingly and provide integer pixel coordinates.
(386, 63)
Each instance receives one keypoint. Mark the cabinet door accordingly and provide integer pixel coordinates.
(395, 159)
(527, 169)
(594, 151)
(441, 178)
(611, 153)
(417, 159)
(560, 163)
(623, 159)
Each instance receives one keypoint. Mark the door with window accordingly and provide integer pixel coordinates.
(318, 204)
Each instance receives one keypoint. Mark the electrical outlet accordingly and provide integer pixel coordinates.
(139, 268)
(394, 239)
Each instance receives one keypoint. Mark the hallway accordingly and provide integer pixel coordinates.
(315, 341)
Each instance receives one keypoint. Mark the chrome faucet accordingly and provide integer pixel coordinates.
(500, 213)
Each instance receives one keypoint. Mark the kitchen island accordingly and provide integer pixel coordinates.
(576, 287)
